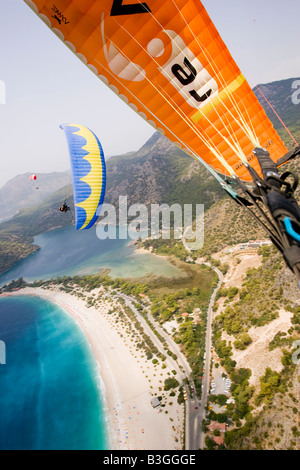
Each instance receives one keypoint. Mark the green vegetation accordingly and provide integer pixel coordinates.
(256, 304)
(218, 399)
(161, 173)
(242, 341)
(17, 234)
(264, 293)
(171, 383)
(13, 248)
(167, 248)
(270, 384)
(183, 299)
(255, 432)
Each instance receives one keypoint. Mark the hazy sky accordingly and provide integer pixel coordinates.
(46, 85)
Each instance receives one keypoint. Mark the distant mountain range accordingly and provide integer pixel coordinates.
(281, 96)
(154, 173)
(20, 192)
(158, 173)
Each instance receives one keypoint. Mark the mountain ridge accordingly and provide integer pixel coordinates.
(20, 193)
(158, 172)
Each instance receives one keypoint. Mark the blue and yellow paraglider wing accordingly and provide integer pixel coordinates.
(88, 173)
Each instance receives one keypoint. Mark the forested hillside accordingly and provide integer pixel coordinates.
(158, 173)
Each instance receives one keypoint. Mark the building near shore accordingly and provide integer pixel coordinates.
(219, 440)
(215, 426)
(155, 402)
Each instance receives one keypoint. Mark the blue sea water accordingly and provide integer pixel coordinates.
(67, 251)
(49, 385)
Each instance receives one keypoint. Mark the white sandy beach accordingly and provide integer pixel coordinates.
(129, 380)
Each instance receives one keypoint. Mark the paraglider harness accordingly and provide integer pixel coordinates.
(64, 207)
(276, 194)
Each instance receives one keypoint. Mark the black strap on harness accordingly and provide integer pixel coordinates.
(288, 156)
(276, 194)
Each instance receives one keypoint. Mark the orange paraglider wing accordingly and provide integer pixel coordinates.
(168, 62)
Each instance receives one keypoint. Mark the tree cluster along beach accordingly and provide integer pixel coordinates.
(129, 380)
(164, 349)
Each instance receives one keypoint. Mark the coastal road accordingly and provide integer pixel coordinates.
(208, 345)
(181, 366)
(195, 408)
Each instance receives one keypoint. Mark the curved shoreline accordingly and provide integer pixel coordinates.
(129, 380)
